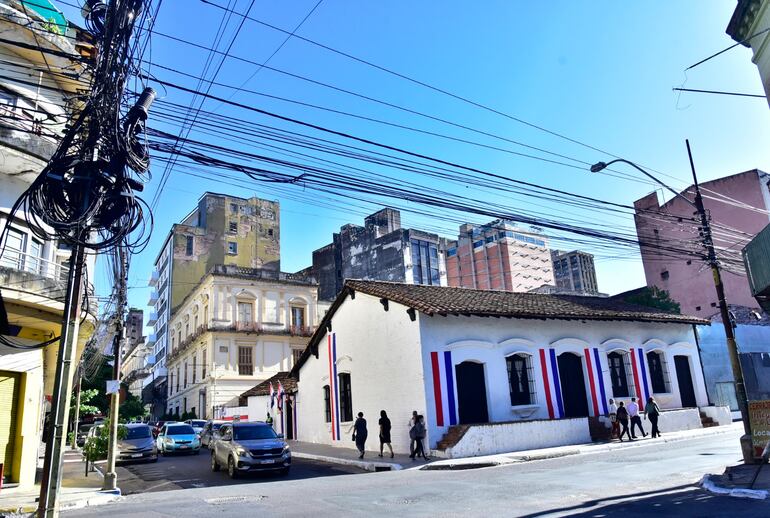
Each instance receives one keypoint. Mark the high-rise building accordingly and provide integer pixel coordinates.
(738, 206)
(380, 251)
(574, 272)
(498, 256)
(134, 326)
(222, 230)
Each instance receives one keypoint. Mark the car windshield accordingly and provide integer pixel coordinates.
(180, 430)
(84, 428)
(216, 426)
(138, 432)
(249, 433)
(199, 424)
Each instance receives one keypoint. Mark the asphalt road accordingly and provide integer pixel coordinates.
(194, 471)
(651, 479)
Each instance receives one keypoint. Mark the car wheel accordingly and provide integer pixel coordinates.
(214, 463)
(232, 471)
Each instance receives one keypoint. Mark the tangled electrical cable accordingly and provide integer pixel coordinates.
(86, 194)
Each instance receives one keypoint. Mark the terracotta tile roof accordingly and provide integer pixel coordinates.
(263, 389)
(441, 300)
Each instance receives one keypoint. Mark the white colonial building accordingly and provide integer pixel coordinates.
(238, 327)
(492, 371)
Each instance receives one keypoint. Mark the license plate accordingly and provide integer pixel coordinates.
(267, 462)
(136, 455)
(183, 447)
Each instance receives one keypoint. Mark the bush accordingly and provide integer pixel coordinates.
(96, 446)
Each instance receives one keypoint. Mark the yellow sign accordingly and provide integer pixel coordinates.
(759, 417)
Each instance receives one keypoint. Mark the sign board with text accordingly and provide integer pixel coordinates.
(759, 417)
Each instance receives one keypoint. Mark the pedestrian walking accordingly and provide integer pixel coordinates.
(412, 422)
(652, 412)
(359, 433)
(419, 438)
(269, 419)
(385, 432)
(636, 420)
(615, 432)
(623, 418)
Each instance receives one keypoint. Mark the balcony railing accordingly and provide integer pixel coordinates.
(261, 274)
(23, 262)
(153, 318)
(154, 278)
(239, 327)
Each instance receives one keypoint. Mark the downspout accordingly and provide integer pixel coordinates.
(700, 357)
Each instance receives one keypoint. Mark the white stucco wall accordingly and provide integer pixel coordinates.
(720, 414)
(526, 435)
(489, 341)
(676, 420)
(380, 350)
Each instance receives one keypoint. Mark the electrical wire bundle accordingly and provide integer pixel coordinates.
(87, 192)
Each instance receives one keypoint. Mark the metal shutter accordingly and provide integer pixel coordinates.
(9, 396)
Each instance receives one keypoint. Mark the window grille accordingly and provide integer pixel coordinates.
(245, 361)
(346, 399)
(521, 380)
(656, 362)
(327, 404)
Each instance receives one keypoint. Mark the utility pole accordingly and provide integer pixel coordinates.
(732, 345)
(110, 477)
(76, 413)
(60, 404)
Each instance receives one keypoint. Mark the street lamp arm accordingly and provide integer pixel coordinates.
(603, 165)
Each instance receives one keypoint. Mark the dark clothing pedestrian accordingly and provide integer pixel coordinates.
(419, 433)
(384, 430)
(636, 421)
(623, 419)
(653, 413)
(360, 434)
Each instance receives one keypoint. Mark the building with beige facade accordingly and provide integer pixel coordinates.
(238, 327)
(749, 26)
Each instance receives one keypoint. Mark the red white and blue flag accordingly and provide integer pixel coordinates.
(280, 396)
(272, 394)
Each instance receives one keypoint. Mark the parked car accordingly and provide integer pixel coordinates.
(197, 424)
(178, 437)
(82, 433)
(156, 428)
(138, 444)
(248, 447)
(210, 432)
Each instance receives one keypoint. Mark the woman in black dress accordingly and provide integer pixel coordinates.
(385, 433)
(360, 433)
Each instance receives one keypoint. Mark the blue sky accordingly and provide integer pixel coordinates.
(598, 72)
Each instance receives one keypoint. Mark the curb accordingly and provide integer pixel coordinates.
(365, 465)
(756, 494)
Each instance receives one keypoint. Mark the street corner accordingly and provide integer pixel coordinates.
(740, 481)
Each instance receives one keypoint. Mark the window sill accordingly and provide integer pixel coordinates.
(524, 411)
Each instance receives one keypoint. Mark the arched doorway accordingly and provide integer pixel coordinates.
(684, 377)
(573, 385)
(471, 393)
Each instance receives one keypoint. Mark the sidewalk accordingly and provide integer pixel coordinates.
(371, 462)
(77, 490)
(578, 449)
(349, 457)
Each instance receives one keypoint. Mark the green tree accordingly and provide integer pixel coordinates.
(654, 297)
(131, 408)
(95, 447)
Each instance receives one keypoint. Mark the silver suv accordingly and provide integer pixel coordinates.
(247, 447)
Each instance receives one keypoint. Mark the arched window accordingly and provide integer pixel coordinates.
(521, 382)
(327, 404)
(658, 372)
(620, 369)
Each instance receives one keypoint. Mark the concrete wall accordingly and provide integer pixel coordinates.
(527, 435)
(380, 351)
(676, 420)
(720, 414)
(690, 284)
(489, 341)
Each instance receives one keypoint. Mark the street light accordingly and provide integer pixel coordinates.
(708, 245)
